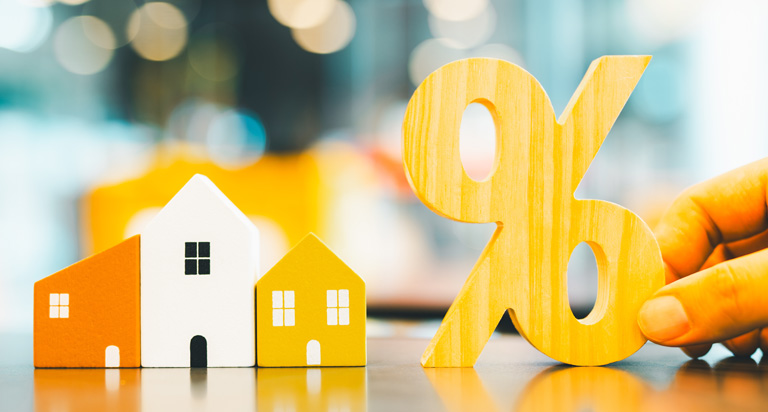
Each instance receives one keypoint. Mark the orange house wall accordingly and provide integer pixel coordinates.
(103, 310)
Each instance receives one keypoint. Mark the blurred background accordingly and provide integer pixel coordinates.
(294, 108)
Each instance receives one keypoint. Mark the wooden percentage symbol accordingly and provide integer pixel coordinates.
(539, 162)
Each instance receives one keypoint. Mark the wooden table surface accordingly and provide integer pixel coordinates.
(510, 376)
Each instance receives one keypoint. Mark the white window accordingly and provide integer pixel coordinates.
(59, 305)
(283, 312)
(337, 302)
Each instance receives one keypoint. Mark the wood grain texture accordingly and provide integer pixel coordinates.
(538, 164)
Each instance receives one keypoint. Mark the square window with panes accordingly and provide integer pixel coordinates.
(283, 308)
(197, 258)
(58, 305)
(337, 307)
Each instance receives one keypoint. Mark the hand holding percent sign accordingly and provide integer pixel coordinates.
(529, 194)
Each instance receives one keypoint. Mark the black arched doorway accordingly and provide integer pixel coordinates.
(198, 352)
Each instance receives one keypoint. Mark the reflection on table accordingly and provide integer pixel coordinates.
(733, 384)
(231, 389)
(510, 375)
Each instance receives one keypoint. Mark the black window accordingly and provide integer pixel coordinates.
(197, 258)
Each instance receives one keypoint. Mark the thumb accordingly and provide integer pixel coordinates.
(718, 303)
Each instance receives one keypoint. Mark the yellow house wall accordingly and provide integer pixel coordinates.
(310, 270)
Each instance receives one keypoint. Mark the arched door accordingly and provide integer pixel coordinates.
(313, 352)
(112, 357)
(198, 352)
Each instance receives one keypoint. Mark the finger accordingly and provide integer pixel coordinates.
(764, 342)
(720, 254)
(718, 303)
(744, 345)
(727, 208)
(747, 246)
(727, 251)
(697, 351)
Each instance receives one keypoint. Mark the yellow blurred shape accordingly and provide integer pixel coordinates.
(301, 14)
(589, 388)
(460, 389)
(282, 189)
(332, 35)
(158, 31)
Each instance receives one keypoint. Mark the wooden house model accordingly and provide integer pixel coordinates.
(199, 261)
(181, 294)
(87, 315)
(310, 310)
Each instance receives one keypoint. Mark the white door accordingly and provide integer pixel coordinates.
(313, 352)
(112, 357)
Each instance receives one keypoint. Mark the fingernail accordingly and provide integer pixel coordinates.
(662, 319)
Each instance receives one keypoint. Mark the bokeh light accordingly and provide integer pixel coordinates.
(464, 34)
(498, 51)
(24, 26)
(98, 32)
(236, 138)
(232, 137)
(455, 10)
(428, 57)
(189, 121)
(662, 21)
(331, 35)
(75, 50)
(190, 8)
(212, 56)
(431, 54)
(115, 13)
(72, 2)
(158, 31)
(389, 128)
(36, 3)
(301, 14)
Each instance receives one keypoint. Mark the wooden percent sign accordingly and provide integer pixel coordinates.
(539, 162)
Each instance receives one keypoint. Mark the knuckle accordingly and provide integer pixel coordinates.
(728, 292)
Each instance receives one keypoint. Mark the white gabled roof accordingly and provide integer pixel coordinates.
(199, 192)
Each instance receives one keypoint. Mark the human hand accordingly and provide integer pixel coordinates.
(713, 240)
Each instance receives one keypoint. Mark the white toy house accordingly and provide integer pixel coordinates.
(199, 261)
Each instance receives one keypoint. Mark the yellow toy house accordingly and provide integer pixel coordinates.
(310, 310)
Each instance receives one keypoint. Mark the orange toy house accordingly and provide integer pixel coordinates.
(87, 315)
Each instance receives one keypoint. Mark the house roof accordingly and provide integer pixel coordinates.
(309, 252)
(119, 254)
(199, 192)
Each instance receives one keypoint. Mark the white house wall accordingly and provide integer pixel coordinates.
(219, 306)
